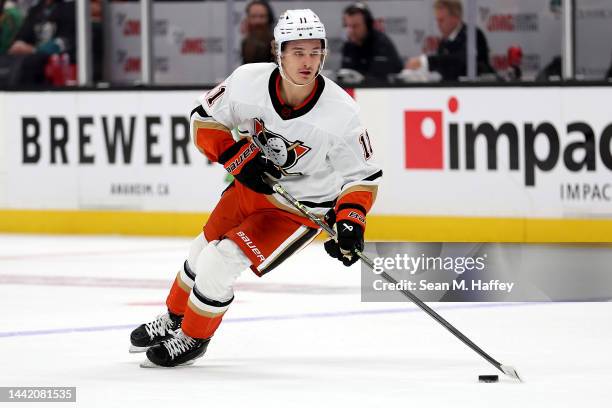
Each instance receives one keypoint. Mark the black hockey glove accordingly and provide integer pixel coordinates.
(349, 233)
(244, 161)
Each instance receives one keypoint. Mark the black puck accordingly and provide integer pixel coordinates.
(488, 378)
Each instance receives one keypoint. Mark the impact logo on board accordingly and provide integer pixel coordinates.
(426, 138)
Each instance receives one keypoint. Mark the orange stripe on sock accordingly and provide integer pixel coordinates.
(177, 298)
(200, 327)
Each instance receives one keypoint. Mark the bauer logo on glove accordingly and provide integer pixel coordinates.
(241, 158)
(245, 162)
(355, 215)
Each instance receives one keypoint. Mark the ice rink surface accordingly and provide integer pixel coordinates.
(298, 337)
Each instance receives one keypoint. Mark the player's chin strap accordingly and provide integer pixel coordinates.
(508, 370)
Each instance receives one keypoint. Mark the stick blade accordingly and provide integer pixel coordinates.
(511, 372)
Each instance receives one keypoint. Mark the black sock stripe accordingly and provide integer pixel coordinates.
(209, 302)
(290, 250)
(188, 271)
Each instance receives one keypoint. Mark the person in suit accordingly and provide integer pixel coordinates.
(450, 59)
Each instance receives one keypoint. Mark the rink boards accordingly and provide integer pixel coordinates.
(526, 164)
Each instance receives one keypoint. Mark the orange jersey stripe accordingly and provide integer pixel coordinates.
(360, 197)
(213, 142)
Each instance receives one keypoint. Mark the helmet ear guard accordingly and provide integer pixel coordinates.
(298, 25)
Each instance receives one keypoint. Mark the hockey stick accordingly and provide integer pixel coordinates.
(508, 370)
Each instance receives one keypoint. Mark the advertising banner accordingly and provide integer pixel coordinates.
(511, 152)
(106, 150)
(482, 152)
(518, 155)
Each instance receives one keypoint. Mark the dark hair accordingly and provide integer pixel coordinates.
(361, 8)
(271, 18)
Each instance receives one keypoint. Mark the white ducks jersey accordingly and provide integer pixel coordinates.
(321, 147)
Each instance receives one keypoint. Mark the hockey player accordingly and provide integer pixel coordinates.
(313, 144)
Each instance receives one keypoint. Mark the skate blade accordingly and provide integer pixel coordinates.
(149, 364)
(136, 349)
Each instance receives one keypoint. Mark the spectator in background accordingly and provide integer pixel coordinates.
(451, 58)
(368, 50)
(258, 32)
(10, 21)
(48, 29)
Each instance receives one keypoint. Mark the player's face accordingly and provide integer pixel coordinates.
(301, 60)
(447, 23)
(356, 29)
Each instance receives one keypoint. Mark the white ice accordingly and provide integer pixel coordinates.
(298, 337)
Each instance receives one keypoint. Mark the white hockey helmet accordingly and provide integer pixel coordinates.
(294, 25)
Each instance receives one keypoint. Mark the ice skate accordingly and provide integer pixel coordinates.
(154, 332)
(178, 350)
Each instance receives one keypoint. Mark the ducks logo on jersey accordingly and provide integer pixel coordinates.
(281, 151)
